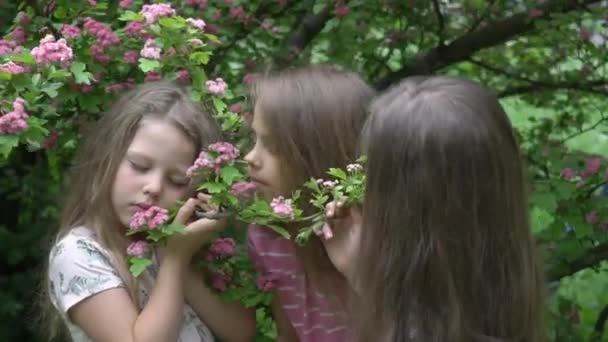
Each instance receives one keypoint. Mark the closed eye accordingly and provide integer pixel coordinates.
(138, 167)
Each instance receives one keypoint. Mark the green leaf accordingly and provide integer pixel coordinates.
(5, 76)
(213, 188)
(25, 58)
(173, 228)
(7, 143)
(131, 16)
(147, 65)
(219, 104)
(229, 174)
(279, 230)
(80, 75)
(138, 265)
(35, 132)
(200, 57)
(337, 173)
(540, 219)
(50, 88)
(172, 22)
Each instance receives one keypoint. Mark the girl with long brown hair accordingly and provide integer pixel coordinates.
(442, 249)
(134, 158)
(305, 121)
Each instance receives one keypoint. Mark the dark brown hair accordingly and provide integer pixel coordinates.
(446, 251)
(88, 199)
(314, 116)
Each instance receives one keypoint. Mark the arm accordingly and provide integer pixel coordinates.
(220, 316)
(160, 320)
(285, 331)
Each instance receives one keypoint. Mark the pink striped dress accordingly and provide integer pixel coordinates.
(312, 315)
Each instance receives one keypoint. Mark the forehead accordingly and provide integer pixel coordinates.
(163, 142)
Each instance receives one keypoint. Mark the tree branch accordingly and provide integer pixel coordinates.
(491, 35)
(440, 22)
(593, 257)
(598, 328)
(307, 29)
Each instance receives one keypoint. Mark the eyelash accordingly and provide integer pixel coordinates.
(140, 168)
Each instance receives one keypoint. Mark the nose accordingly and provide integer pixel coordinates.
(252, 158)
(153, 186)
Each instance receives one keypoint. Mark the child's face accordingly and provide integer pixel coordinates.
(264, 166)
(153, 170)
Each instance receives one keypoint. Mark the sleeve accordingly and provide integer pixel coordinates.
(79, 268)
(254, 240)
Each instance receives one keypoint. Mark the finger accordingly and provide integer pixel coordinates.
(330, 209)
(185, 212)
(327, 232)
(205, 225)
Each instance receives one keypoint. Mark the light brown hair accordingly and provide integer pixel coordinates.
(446, 249)
(88, 198)
(314, 116)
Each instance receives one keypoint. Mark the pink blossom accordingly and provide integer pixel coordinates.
(354, 167)
(584, 34)
(592, 217)
(593, 165)
(14, 122)
(235, 108)
(249, 78)
(535, 13)
(13, 68)
(341, 11)
(51, 140)
(152, 76)
(217, 87)
(198, 23)
(201, 4)
(152, 218)
(154, 11)
(225, 153)
(134, 28)
(50, 51)
(211, 29)
(243, 189)
(221, 249)
(130, 57)
(19, 35)
(98, 54)
(125, 3)
(102, 32)
(266, 25)
(24, 19)
(138, 248)
(7, 47)
(567, 173)
(114, 88)
(267, 282)
(216, 15)
(70, 31)
(329, 183)
(282, 207)
(183, 76)
(92, 2)
(237, 12)
(150, 50)
(250, 64)
(220, 280)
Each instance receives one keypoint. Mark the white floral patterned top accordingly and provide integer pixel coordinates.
(80, 267)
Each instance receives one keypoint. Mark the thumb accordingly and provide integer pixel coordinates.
(186, 211)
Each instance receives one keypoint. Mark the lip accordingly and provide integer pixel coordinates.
(257, 181)
(142, 206)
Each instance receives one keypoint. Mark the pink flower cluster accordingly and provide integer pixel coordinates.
(221, 249)
(201, 4)
(150, 50)
(220, 280)
(282, 207)
(7, 47)
(138, 248)
(198, 23)
(183, 76)
(130, 57)
(125, 3)
(267, 282)
(13, 68)
(217, 87)
(104, 34)
(51, 51)
(70, 31)
(153, 12)
(592, 167)
(153, 217)
(226, 153)
(19, 35)
(243, 189)
(14, 122)
(134, 29)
